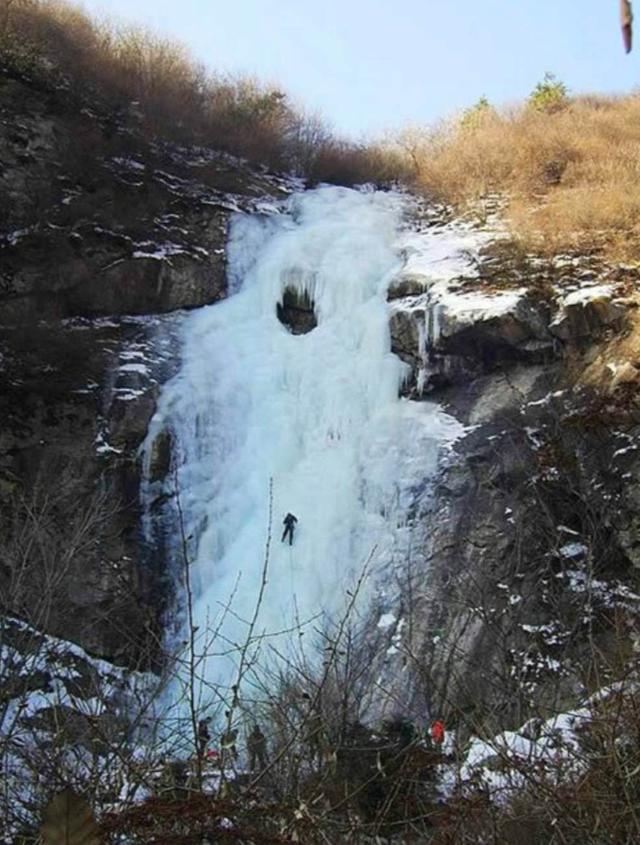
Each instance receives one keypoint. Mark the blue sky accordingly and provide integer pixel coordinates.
(371, 65)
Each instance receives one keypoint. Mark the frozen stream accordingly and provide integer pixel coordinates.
(318, 414)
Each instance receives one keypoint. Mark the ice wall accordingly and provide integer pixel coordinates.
(317, 415)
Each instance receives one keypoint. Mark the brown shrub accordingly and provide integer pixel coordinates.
(571, 174)
(349, 164)
(131, 70)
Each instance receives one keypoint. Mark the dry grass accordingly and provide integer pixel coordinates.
(157, 83)
(571, 175)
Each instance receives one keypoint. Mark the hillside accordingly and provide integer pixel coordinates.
(564, 168)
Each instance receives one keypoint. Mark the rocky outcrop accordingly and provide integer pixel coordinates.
(453, 334)
(586, 314)
(452, 338)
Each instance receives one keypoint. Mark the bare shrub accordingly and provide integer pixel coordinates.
(133, 71)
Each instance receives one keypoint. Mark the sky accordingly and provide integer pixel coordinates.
(369, 66)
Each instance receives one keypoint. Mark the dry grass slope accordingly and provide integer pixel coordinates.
(571, 173)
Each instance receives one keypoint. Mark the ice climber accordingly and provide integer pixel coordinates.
(289, 524)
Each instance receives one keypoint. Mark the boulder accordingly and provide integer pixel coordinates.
(408, 284)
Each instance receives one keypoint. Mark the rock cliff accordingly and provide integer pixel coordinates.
(527, 595)
(105, 234)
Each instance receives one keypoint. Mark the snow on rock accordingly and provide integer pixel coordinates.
(441, 259)
(160, 252)
(608, 593)
(588, 294)
(386, 620)
(501, 763)
(504, 764)
(573, 551)
(12, 238)
(103, 447)
(587, 312)
(134, 368)
(129, 164)
(446, 321)
(435, 261)
(70, 676)
(73, 718)
(460, 309)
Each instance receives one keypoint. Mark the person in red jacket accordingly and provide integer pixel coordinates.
(437, 732)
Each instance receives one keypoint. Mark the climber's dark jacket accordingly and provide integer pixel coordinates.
(289, 523)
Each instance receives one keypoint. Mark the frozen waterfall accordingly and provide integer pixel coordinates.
(317, 415)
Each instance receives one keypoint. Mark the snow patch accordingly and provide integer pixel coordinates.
(386, 620)
(159, 252)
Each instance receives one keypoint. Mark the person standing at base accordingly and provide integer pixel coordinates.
(203, 736)
(289, 523)
(257, 748)
(437, 732)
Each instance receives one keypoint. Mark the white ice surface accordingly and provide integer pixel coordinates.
(319, 414)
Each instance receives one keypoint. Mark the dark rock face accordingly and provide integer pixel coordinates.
(160, 457)
(75, 402)
(297, 311)
(531, 581)
(116, 224)
(97, 220)
(531, 511)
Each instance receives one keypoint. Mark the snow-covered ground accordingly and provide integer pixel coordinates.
(318, 415)
(551, 750)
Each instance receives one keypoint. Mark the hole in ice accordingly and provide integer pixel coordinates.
(296, 311)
